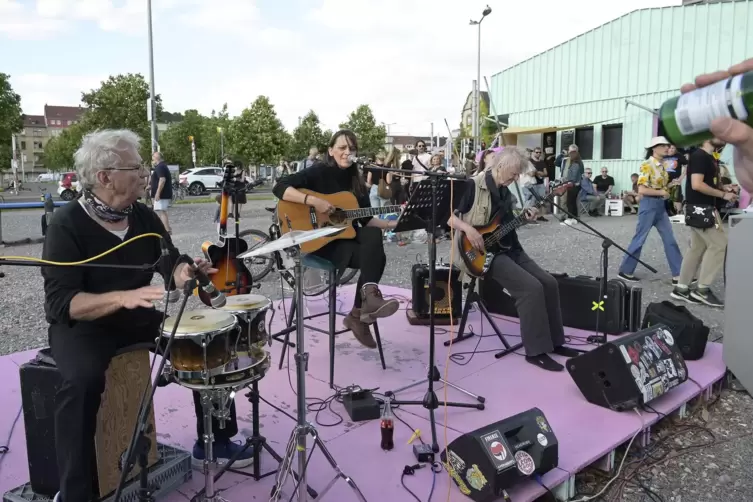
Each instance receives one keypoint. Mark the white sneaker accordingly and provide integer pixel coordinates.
(57, 497)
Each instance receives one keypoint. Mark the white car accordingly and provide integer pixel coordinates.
(69, 186)
(201, 179)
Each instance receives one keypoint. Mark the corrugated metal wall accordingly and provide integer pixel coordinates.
(643, 56)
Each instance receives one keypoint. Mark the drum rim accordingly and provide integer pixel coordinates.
(211, 333)
(261, 307)
(181, 375)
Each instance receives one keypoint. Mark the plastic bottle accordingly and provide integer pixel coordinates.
(687, 118)
(387, 427)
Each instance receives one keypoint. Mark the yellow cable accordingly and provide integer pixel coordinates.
(82, 262)
(452, 332)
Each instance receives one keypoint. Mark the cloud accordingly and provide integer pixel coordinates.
(39, 89)
(18, 22)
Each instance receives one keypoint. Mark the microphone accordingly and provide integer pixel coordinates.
(354, 159)
(535, 194)
(216, 297)
(172, 295)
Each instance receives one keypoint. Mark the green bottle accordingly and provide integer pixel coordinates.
(687, 118)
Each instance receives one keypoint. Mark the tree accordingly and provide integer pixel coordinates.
(121, 103)
(308, 134)
(175, 144)
(258, 135)
(11, 120)
(371, 137)
(488, 128)
(59, 150)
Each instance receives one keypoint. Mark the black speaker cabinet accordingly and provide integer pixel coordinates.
(446, 282)
(486, 462)
(631, 370)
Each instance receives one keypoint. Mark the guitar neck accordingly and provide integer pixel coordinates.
(495, 236)
(365, 212)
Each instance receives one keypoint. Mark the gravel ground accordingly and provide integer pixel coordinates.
(717, 472)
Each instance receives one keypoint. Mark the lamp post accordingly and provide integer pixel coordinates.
(477, 94)
(152, 108)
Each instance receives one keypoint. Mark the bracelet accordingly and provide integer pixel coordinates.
(305, 199)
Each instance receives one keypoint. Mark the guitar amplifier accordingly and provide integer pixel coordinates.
(448, 291)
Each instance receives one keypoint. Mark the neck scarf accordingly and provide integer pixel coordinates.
(103, 211)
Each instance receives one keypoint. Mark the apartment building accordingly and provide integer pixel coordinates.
(38, 129)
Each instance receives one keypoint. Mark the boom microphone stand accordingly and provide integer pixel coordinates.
(606, 243)
(412, 218)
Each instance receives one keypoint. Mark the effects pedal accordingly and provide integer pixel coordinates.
(423, 453)
(361, 405)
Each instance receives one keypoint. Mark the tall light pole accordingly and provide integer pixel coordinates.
(152, 107)
(477, 94)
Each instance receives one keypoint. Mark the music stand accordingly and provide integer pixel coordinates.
(430, 197)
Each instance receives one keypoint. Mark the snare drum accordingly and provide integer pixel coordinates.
(251, 313)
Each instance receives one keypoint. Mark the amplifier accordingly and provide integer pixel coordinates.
(40, 380)
(490, 460)
(448, 291)
(631, 370)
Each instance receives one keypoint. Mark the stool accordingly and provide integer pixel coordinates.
(614, 207)
(318, 263)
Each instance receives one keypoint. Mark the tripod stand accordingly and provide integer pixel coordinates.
(606, 243)
(430, 197)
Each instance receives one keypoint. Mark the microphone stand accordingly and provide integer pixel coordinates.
(606, 243)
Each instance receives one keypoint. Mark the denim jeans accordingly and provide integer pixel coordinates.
(530, 199)
(652, 213)
(376, 200)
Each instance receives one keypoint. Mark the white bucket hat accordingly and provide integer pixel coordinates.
(656, 141)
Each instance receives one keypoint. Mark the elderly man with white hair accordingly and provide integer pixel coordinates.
(94, 312)
(535, 291)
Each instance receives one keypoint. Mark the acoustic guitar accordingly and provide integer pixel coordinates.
(476, 263)
(232, 277)
(293, 216)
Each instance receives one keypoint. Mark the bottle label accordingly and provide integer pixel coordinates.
(697, 109)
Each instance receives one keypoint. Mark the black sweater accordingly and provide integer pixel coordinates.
(74, 236)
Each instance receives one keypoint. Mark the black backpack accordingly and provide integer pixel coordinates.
(689, 332)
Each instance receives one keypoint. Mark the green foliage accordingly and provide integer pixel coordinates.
(11, 120)
(175, 143)
(371, 137)
(258, 135)
(308, 134)
(488, 128)
(58, 152)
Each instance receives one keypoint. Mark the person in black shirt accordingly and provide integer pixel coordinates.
(707, 245)
(541, 172)
(366, 252)
(535, 291)
(94, 312)
(161, 186)
(604, 184)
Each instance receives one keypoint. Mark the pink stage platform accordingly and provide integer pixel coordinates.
(586, 433)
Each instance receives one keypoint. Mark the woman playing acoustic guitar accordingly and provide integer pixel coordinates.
(366, 251)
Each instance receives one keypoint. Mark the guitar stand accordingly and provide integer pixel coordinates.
(474, 298)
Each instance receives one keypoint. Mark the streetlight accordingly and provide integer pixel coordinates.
(477, 94)
(152, 107)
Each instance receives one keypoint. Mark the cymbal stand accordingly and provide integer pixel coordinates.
(303, 429)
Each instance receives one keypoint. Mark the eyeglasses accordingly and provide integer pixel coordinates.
(128, 168)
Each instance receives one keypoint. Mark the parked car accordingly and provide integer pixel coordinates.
(69, 186)
(201, 179)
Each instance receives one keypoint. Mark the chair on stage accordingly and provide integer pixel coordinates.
(315, 262)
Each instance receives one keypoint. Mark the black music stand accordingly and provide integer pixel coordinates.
(474, 298)
(430, 198)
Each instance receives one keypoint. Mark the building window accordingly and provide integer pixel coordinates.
(611, 141)
(38, 145)
(584, 138)
(23, 145)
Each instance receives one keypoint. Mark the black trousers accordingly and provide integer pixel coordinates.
(365, 253)
(82, 360)
(572, 200)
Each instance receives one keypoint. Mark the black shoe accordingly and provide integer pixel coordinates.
(693, 283)
(545, 362)
(683, 295)
(707, 297)
(541, 218)
(628, 277)
(566, 351)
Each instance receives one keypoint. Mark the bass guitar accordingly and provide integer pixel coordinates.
(293, 216)
(232, 277)
(476, 263)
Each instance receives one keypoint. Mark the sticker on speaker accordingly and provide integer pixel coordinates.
(498, 450)
(635, 371)
(525, 462)
(542, 439)
(625, 354)
(668, 338)
(475, 478)
(457, 463)
(541, 422)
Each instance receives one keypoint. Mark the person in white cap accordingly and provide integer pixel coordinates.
(653, 182)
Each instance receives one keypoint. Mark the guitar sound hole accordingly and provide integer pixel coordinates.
(337, 218)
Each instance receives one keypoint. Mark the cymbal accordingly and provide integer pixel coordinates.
(292, 239)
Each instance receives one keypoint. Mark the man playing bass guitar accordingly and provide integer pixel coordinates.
(366, 251)
(535, 291)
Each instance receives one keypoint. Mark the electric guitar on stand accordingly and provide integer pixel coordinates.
(476, 263)
(295, 216)
(232, 277)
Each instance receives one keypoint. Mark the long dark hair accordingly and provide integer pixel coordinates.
(357, 185)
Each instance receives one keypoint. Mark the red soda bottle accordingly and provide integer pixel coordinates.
(387, 427)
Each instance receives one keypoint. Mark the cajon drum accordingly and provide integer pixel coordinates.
(127, 377)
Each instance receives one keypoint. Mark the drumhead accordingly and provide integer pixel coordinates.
(244, 303)
(198, 322)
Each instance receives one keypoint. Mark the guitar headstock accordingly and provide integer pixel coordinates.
(560, 187)
(229, 175)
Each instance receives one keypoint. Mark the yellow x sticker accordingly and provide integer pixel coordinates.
(598, 305)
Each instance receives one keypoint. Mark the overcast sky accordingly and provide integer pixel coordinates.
(413, 61)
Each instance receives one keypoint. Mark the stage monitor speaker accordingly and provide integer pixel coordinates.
(447, 285)
(490, 460)
(738, 344)
(630, 371)
(126, 377)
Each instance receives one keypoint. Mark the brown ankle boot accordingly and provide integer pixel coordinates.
(373, 306)
(360, 330)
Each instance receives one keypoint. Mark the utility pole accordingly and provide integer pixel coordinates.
(152, 107)
(477, 84)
